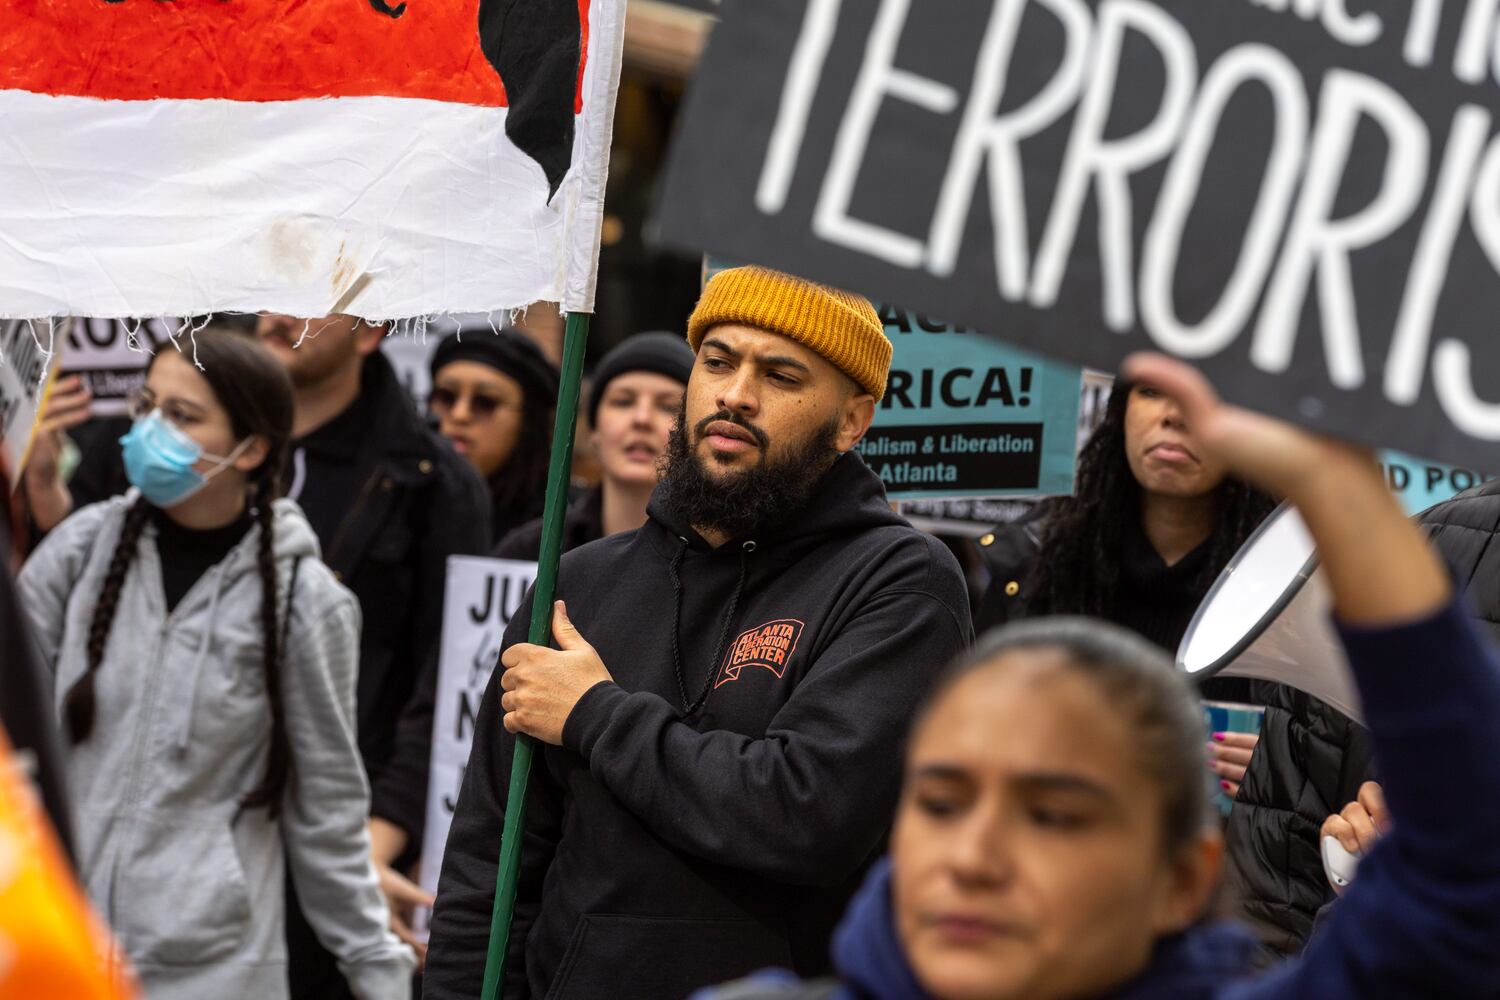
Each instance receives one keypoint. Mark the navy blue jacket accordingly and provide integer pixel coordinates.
(1422, 920)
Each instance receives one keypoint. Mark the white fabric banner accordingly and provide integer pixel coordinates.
(480, 599)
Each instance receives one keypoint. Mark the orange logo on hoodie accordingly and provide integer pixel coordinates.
(770, 645)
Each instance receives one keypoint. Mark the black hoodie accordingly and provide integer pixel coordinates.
(668, 849)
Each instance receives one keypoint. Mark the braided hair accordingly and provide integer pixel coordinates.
(268, 793)
(256, 392)
(78, 705)
(1078, 565)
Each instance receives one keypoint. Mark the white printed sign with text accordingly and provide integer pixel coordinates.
(480, 599)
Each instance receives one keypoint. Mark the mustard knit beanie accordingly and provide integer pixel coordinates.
(842, 327)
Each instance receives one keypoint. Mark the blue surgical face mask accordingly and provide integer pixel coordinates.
(159, 460)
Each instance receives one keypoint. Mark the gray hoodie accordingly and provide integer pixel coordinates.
(181, 734)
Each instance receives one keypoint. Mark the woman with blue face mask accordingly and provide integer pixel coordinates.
(204, 662)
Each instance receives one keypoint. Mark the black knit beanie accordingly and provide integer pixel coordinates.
(662, 353)
(510, 353)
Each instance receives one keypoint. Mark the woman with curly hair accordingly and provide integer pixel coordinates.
(204, 661)
(1153, 521)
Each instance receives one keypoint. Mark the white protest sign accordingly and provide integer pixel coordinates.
(111, 356)
(409, 353)
(26, 350)
(481, 597)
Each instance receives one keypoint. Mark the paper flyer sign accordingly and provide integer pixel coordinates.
(111, 356)
(481, 597)
(26, 374)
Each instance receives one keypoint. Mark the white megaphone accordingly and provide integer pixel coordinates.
(1267, 617)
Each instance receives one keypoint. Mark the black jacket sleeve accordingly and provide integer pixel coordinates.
(466, 889)
(457, 523)
(809, 802)
(524, 542)
(1310, 762)
(399, 796)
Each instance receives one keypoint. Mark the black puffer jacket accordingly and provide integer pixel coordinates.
(1464, 529)
(1312, 759)
(1310, 762)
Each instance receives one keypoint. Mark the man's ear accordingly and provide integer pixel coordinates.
(367, 337)
(858, 413)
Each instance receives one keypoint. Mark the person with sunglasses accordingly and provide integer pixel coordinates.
(493, 396)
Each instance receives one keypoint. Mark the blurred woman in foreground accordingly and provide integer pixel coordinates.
(1053, 841)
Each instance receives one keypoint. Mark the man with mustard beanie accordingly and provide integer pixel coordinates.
(722, 717)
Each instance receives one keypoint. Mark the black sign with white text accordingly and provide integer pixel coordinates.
(1300, 196)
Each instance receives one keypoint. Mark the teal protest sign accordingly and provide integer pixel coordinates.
(1419, 484)
(965, 416)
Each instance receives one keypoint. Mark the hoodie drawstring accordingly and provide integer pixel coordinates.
(713, 665)
(185, 728)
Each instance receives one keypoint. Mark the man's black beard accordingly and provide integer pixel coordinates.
(733, 504)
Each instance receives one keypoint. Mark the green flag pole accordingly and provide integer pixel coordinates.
(574, 340)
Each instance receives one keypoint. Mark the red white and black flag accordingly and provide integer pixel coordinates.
(389, 157)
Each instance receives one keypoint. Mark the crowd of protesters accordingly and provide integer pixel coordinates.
(777, 750)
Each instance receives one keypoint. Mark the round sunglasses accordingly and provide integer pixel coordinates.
(481, 404)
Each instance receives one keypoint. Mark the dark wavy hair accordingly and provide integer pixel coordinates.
(519, 487)
(256, 392)
(1077, 570)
